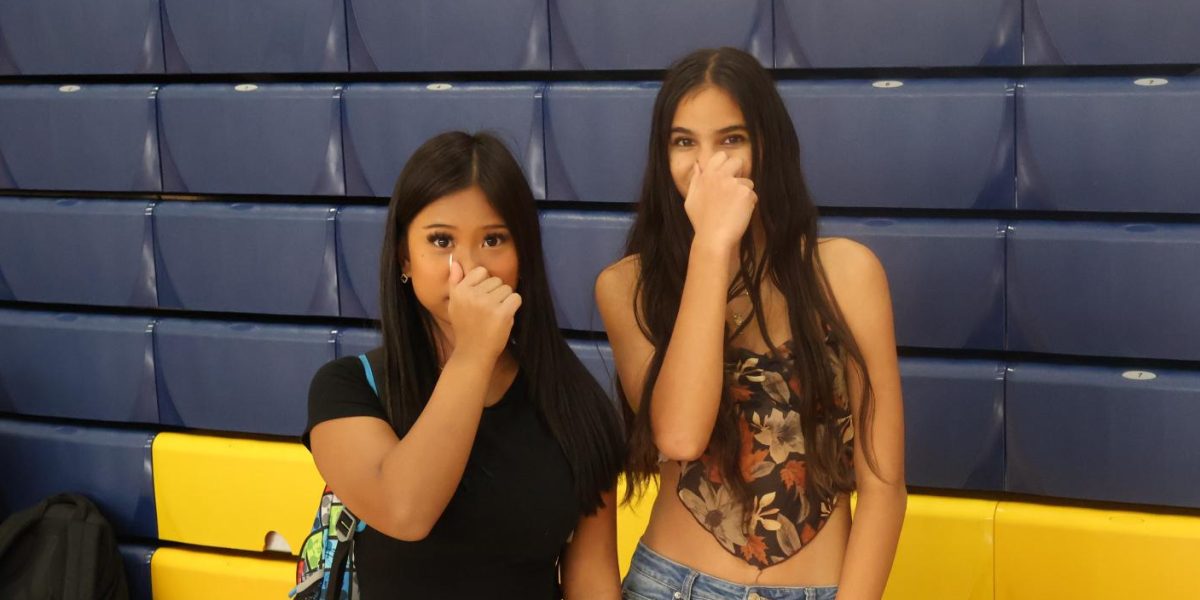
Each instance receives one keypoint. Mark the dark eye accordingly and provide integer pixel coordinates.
(440, 240)
(682, 142)
(495, 239)
(734, 139)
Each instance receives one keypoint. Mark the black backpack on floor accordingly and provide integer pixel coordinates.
(61, 549)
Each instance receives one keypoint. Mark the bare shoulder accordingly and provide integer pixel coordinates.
(856, 277)
(618, 279)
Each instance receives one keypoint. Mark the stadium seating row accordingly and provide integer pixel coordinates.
(1100, 433)
(1090, 288)
(1097, 144)
(949, 548)
(282, 36)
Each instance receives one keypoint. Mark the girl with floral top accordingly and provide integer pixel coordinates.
(757, 360)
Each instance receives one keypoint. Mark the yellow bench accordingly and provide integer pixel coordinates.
(184, 574)
(946, 550)
(232, 493)
(1065, 552)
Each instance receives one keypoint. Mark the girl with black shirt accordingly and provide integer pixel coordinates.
(485, 467)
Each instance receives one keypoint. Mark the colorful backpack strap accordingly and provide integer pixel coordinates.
(370, 374)
(325, 570)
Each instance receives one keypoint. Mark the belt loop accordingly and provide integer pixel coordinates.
(688, 582)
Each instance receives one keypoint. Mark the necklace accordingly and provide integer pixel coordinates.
(739, 318)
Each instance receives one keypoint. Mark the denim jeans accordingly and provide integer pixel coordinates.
(655, 577)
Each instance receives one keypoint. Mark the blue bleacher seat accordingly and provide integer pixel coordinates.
(864, 33)
(954, 422)
(926, 144)
(434, 35)
(61, 37)
(137, 569)
(357, 340)
(255, 258)
(1109, 144)
(247, 139)
(265, 36)
(77, 366)
(1103, 433)
(596, 138)
(631, 34)
(1106, 289)
(72, 137)
(385, 123)
(946, 277)
(112, 467)
(360, 232)
(73, 251)
(598, 358)
(577, 246)
(1111, 32)
(243, 377)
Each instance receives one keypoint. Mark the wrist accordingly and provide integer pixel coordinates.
(471, 358)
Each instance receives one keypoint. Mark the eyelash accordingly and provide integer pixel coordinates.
(437, 238)
(683, 142)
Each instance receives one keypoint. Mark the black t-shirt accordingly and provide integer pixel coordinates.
(504, 529)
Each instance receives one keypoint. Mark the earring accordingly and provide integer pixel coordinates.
(404, 278)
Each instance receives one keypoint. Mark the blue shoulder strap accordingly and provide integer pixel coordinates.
(370, 374)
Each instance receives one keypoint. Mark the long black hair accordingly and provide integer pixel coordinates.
(573, 405)
(661, 237)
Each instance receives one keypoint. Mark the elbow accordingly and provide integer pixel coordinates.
(677, 446)
(407, 526)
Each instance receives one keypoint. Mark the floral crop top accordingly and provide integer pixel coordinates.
(786, 514)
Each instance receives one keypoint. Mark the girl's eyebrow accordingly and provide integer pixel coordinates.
(444, 226)
(729, 129)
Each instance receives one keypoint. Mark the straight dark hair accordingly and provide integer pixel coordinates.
(578, 413)
(662, 235)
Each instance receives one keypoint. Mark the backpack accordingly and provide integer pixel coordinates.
(326, 570)
(62, 548)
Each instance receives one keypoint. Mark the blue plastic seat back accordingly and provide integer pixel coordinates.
(74, 251)
(238, 377)
(250, 258)
(112, 467)
(577, 246)
(596, 139)
(1103, 433)
(954, 423)
(1104, 289)
(906, 144)
(386, 123)
(79, 137)
(61, 37)
(432, 35)
(252, 139)
(866, 33)
(360, 231)
(630, 34)
(1111, 32)
(946, 277)
(77, 366)
(265, 36)
(1109, 144)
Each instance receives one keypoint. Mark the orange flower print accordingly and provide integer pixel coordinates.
(755, 549)
(712, 470)
(753, 465)
(794, 385)
(794, 475)
(807, 534)
(740, 393)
